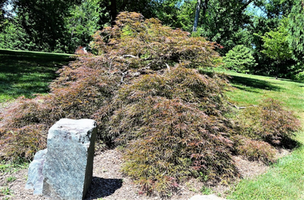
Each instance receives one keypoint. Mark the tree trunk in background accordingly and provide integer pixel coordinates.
(113, 11)
(197, 12)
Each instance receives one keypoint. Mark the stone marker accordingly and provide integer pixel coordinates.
(68, 165)
(206, 197)
(35, 176)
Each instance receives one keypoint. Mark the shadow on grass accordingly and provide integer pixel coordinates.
(102, 187)
(289, 143)
(252, 83)
(27, 73)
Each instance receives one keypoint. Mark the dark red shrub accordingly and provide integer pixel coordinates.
(173, 126)
(22, 143)
(254, 150)
(268, 121)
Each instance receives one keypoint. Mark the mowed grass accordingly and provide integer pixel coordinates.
(285, 179)
(25, 73)
(251, 89)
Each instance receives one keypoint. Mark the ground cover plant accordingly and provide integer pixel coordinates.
(143, 89)
(26, 73)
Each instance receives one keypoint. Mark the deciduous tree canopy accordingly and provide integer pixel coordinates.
(61, 26)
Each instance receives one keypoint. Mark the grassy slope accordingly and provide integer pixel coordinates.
(250, 89)
(285, 179)
(27, 73)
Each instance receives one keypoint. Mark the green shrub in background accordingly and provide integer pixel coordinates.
(299, 77)
(239, 59)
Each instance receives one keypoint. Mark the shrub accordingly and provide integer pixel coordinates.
(299, 77)
(176, 129)
(21, 144)
(254, 150)
(269, 122)
(239, 59)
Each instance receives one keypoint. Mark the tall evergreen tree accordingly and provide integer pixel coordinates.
(295, 30)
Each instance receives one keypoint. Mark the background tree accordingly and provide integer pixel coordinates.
(197, 13)
(45, 31)
(168, 11)
(82, 23)
(267, 16)
(218, 21)
(295, 30)
(239, 59)
(114, 7)
(13, 36)
(62, 33)
(276, 46)
(1, 14)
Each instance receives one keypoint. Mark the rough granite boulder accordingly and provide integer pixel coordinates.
(35, 176)
(68, 167)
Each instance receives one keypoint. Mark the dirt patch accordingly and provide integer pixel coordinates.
(108, 183)
(249, 168)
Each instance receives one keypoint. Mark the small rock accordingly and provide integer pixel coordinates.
(206, 197)
(35, 176)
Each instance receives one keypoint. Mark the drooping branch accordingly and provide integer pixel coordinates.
(126, 56)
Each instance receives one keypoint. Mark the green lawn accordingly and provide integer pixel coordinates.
(285, 179)
(250, 89)
(27, 73)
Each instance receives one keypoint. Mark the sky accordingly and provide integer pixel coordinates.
(256, 10)
(9, 8)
